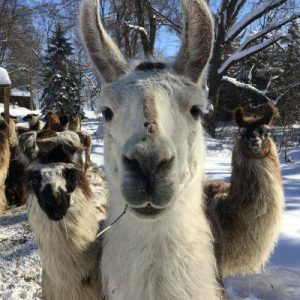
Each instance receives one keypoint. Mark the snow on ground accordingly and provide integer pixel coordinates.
(20, 267)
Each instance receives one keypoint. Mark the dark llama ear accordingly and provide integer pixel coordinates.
(239, 117)
(270, 113)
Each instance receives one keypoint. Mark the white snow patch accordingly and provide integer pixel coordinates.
(19, 93)
(4, 78)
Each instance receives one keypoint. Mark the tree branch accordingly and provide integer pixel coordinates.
(239, 55)
(246, 86)
(250, 18)
(268, 29)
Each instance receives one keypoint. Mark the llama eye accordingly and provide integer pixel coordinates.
(107, 114)
(196, 112)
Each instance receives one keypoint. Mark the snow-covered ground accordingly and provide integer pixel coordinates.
(20, 273)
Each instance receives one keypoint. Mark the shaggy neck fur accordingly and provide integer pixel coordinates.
(171, 258)
(68, 249)
(254, 210)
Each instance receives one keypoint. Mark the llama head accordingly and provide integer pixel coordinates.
(51, 117)
(153, 140)
(75, 120)
(31, 119)
(64, 120)
(254, 130)
(54, 181)
(50, 145)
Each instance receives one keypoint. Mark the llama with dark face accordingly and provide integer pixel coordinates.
(247, 214)
(33, 122)
(64, 220)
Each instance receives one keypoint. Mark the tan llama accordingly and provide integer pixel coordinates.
(247, 213)
(64, 216)
(4, 161)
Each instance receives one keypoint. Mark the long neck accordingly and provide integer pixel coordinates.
(260, 177)
(68, 249)
(171, 258)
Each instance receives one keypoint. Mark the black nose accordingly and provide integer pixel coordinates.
(55, 203)
(148, 156)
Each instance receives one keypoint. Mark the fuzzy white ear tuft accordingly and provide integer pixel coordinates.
(198, 38)
(105, 55)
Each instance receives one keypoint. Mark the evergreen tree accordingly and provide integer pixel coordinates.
(61, 92)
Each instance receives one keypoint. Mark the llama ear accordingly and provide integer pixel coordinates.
(198, 37)
(270, 112)
(107, 58)
(239, 117)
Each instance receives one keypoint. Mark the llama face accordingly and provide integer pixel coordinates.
(31, 119)
(153, 143)
(53, 185)
(152, 128)
(255, 137)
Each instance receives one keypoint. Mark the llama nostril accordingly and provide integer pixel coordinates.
(132, 164)
(165, 164)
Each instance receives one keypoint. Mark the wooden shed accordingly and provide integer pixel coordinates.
(21, 98)
(5, 84)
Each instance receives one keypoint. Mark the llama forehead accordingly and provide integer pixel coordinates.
(140, 84)
(51, 173)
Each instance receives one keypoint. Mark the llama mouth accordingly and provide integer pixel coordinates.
(148, 210)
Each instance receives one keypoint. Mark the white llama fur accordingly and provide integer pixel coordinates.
(68, 249)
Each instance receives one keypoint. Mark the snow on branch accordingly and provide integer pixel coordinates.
(239, 55)
(268, 29)
(140, 29)
(245, 86)
(249, 18)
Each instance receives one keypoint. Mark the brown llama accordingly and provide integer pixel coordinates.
(53, 122)
(246, 214)
(15, 183)
(73, 123)
(4, 161)
(64, 218)
(13, 136)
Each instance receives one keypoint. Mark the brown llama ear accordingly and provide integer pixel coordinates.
(107, 58)
(198, 37)
(239, 117)
(270, 112)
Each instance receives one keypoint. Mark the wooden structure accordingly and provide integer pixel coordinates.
(5, 84)
(21, 98)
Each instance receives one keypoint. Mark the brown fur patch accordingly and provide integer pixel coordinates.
(84, 185)
(150, 114)
(268, 112)
(44, 134)
(53, 122)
